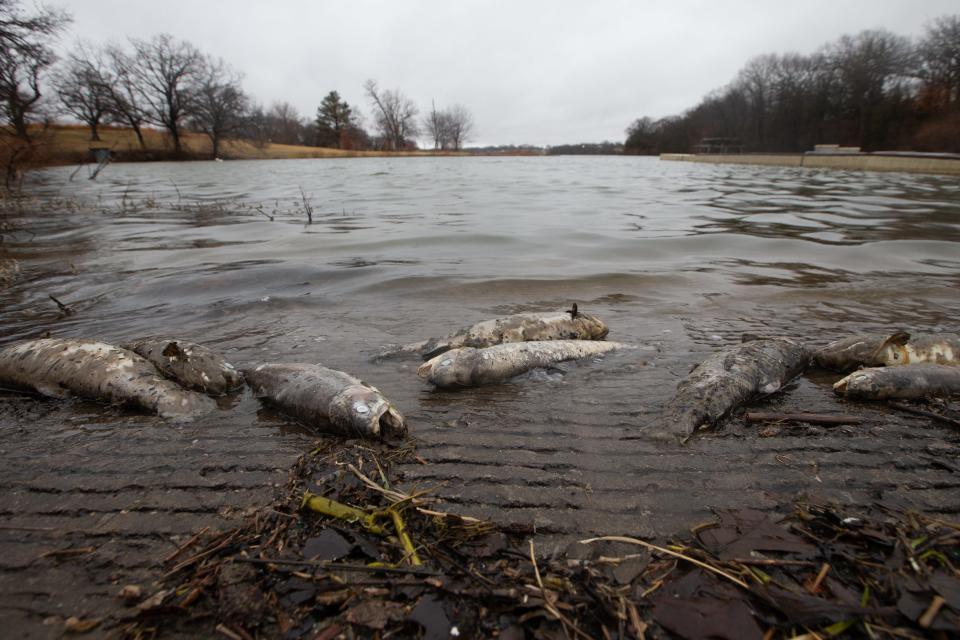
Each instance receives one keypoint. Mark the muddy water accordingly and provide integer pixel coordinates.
(680, 259)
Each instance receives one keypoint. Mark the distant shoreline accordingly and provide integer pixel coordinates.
(60, 145)
(943, 164)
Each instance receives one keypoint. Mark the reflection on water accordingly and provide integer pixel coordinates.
(407, 244)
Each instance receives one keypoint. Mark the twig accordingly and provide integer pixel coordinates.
(64, 309)
(812, 418)
(815, 586)
(75, 172)
(225, 630)
(186, 544)
(405, 538)
(773, 562)
(306, 206)
(322, 564)
(201, 555)
(927, 618)
(67, 552)
(103, 163)
(643, 543)
(548, 598)
(442, 514)
(396, 496)
(179, 195)
(923, 412)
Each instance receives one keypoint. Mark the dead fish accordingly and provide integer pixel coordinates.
(327, 399)
(879, 350)
(468, 366)
(9, 270)
(522, 327)
(732, 377)
(98, 371)
(190, 364)
(911, 381)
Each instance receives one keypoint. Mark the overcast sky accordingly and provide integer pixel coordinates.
(538, 72)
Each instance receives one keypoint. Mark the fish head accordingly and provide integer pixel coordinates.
(364, 411)
(450, 369)
(592, 327)
(857, 383)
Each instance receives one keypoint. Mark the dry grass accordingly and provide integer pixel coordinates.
(70, 144)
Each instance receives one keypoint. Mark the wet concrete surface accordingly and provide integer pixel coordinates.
(124, 492)
(563, 452)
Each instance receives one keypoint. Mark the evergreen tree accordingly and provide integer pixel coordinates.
(333, 120)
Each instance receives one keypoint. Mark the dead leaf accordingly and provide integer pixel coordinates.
(742, 532)
(430, 615)
(375, 614)
(79, 625)
(697, 606)
(155, 601)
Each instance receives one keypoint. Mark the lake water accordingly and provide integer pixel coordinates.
(412, 247)
(678, 258)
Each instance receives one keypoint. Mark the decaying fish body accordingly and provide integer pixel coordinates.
(885, 350)
(521, 327)
(468, 366)
(98, 371)
(192, 365)
(912, 381)
(9, 270)
(732, 377)
(327, 399)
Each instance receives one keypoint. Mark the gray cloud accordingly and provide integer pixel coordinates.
(532, 72)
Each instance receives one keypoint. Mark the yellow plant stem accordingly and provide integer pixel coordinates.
(405, 538)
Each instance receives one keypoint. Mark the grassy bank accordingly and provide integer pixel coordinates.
(71, 144)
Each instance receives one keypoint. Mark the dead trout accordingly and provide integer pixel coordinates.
(192, 365)
(326, 399)
(522, 327)
(469, 367)
(879, 350)
(98, 371)
(733, 377)
(912, 381)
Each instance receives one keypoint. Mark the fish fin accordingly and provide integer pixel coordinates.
(173, 350)
(898, 339)
(433, 353)
(52, 391)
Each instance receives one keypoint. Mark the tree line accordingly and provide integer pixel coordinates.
(876, 90)
(171, 84)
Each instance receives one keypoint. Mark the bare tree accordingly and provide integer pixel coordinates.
(939, 59)
(869, 65)
(83, 86)
(256, 127)
(395, 115)
(448, 128)
(285, 124)
(24, 55)
(435, 126)
(459, 126)
(126, 102)
(756, 81)
(166, 71)
(220, 105)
